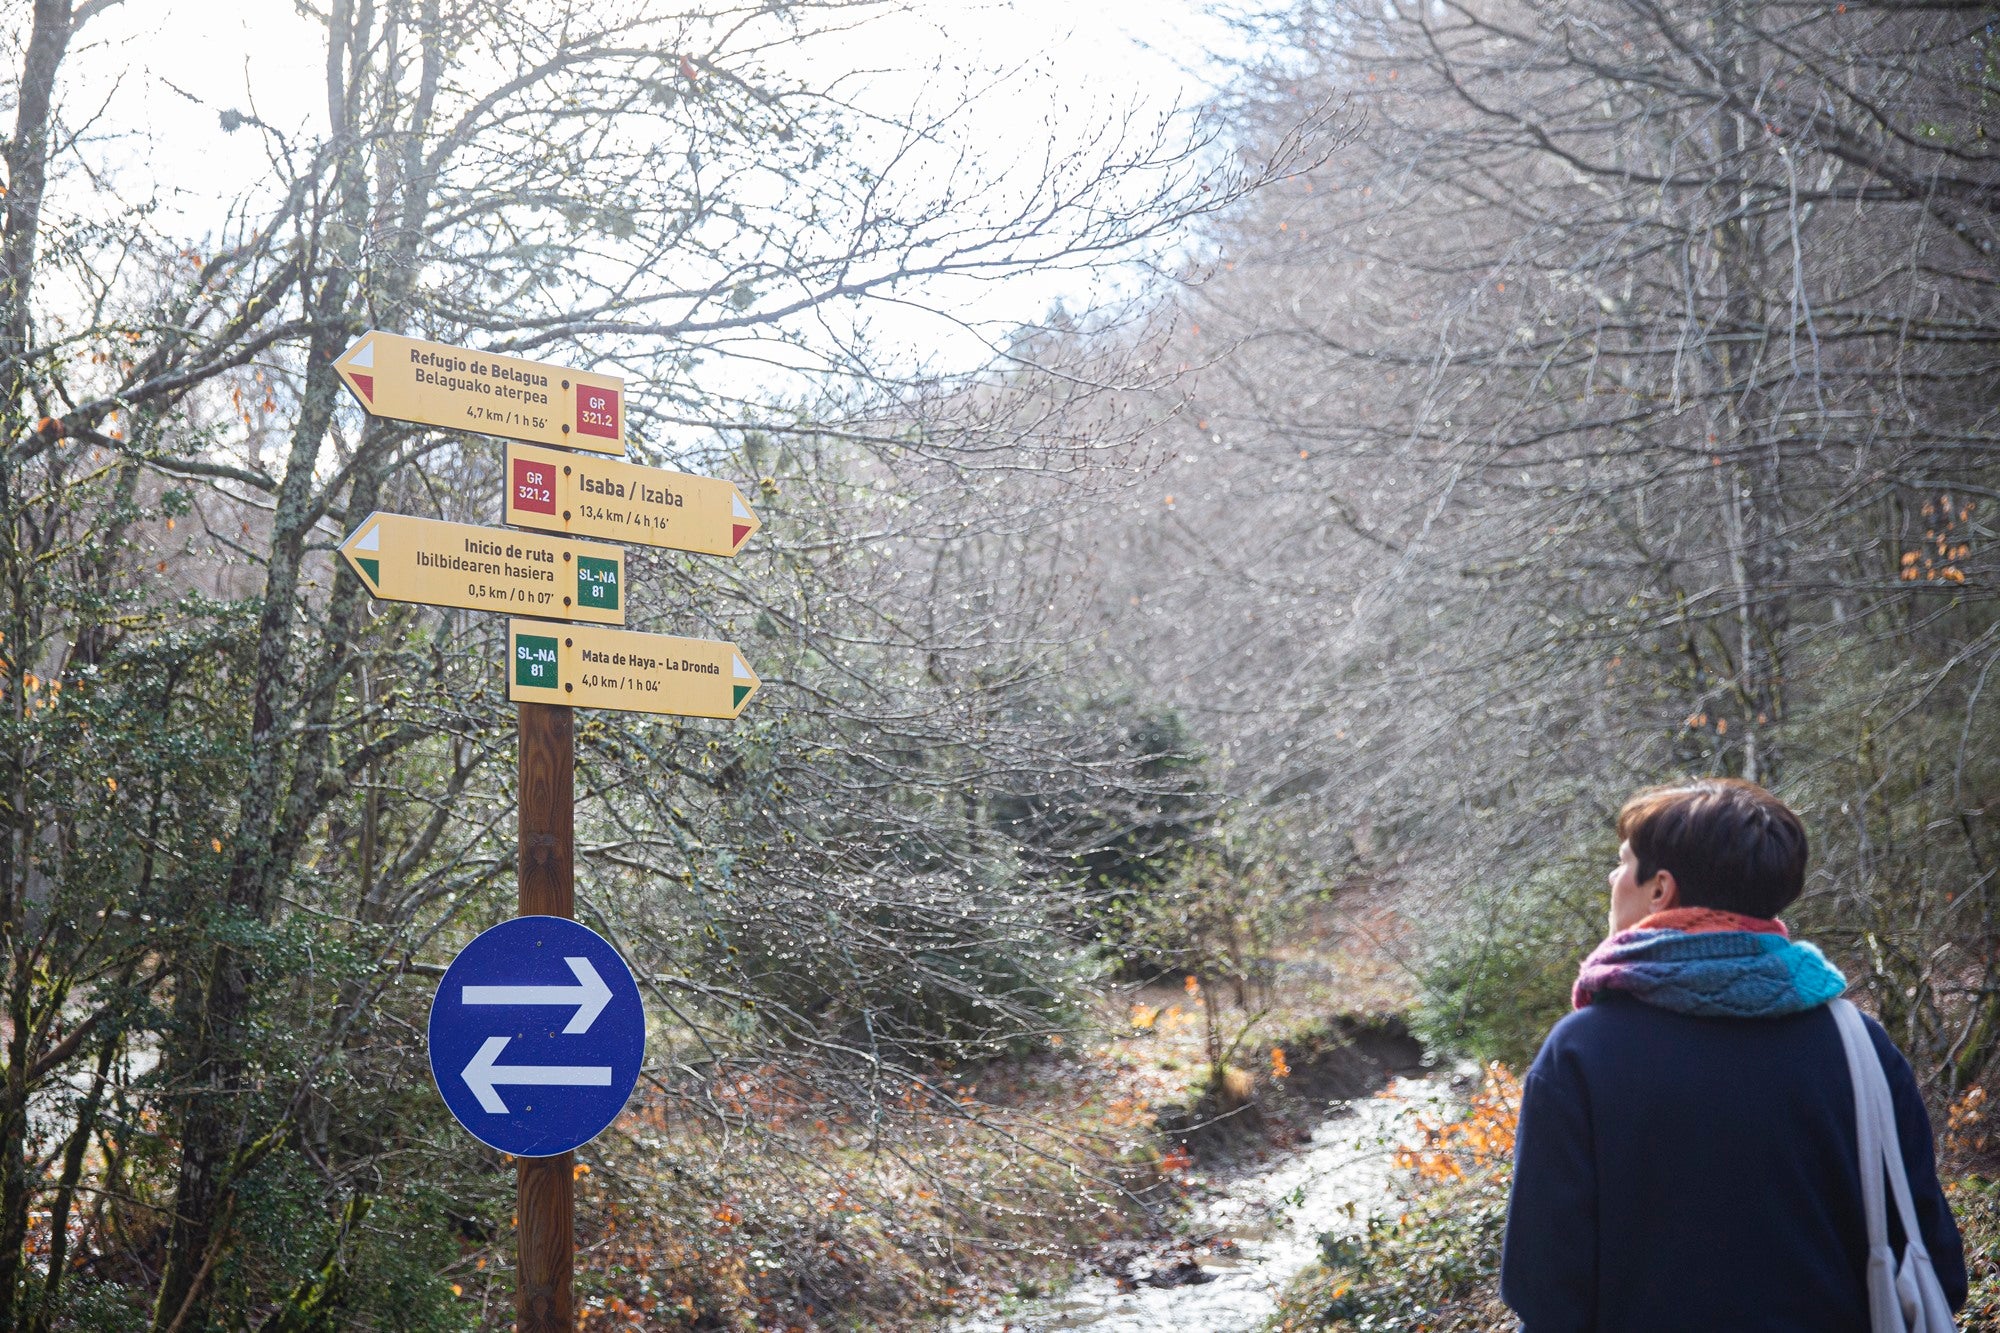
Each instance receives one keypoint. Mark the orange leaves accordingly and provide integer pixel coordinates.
(1485, 1132)
(1129, 1112)
(1192, 987)
(1148, 1018)
(1965, 1123)
(1943, 569)
(1280, 1070)
(1938, 559)
(1176, 1159)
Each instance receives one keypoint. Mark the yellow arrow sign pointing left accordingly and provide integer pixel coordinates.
(401, 558)
(435, 384)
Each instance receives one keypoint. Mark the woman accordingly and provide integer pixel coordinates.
(1686, 1155)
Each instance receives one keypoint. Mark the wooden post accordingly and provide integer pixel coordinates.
(545, 1187)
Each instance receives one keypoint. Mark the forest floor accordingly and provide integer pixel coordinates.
(1093, 1158)
(1075, 1159)
(1326, 1025)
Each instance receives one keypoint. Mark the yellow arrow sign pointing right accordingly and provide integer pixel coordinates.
(586, 667)
(556, 491)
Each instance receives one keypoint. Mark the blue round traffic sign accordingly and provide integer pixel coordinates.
(537, 1035)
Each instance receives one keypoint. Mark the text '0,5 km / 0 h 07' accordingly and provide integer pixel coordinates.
(406, 559)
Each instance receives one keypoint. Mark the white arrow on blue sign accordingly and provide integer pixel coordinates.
(518, 1074)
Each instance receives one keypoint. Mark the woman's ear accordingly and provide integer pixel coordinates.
(1665, 894)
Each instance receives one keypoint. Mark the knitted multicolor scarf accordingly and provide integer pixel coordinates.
(1697, 960)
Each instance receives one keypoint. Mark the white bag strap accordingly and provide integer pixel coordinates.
(1883, 1113)
(1864, 1071)
(1892, 1157)
(1902, 1296)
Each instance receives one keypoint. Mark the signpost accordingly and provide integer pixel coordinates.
(537, 1035)
(636, 673)
(597, 497)
(405, 559)
(459, 389)
(545, 881)
(537, 1032)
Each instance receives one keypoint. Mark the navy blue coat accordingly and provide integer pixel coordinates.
(1695, 1175)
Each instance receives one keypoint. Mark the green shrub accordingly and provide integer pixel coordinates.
(1975, 1202)
(1436, 1267)
(1501, 978)
(928, 980)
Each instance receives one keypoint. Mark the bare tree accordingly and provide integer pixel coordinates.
(245, 804)
(1608, 411)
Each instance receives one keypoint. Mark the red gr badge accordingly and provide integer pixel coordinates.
(534, 487)
(597, 412)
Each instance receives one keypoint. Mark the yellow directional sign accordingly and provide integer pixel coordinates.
(437, 385)
(405, 559)
(634, 673)
(596, 497)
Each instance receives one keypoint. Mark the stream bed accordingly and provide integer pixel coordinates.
(1252, 1234)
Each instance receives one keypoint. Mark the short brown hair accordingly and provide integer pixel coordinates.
(1728, 843)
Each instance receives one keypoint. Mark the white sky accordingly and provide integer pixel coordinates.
(1078, 62)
